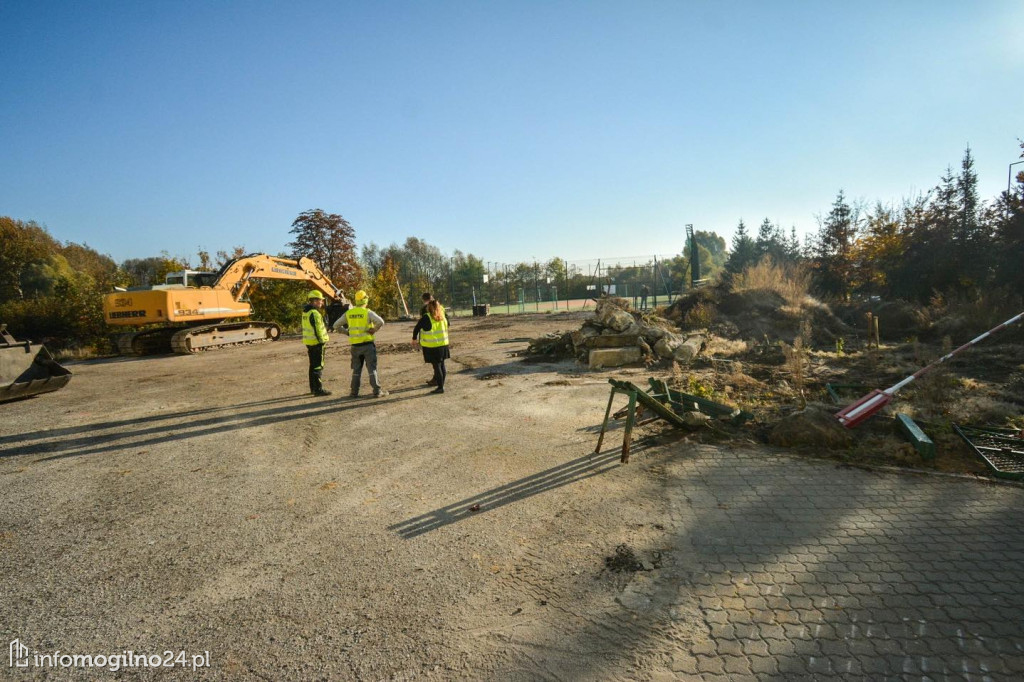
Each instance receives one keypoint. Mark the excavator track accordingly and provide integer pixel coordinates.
(146, 342)
(213, 336)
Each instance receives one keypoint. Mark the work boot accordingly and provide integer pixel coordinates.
(438, 390)
(353, 395)
(321, 393)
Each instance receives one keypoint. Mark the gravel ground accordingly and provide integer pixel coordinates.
(208, 504)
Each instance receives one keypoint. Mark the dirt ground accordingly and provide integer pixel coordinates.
(208, 503)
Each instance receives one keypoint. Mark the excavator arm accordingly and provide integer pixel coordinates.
(238, 274)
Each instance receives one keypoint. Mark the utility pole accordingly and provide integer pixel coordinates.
(536, 287)
(694, 257)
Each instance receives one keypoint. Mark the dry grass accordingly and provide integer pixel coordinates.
(796, 360)
(87, 353)
(700, 316)
(791, 282)
(720, 347)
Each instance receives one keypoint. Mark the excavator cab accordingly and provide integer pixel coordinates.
(191, 278)
(27, 369)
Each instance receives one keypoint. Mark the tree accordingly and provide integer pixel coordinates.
(744, 251)
(329, 240)
(225, 257)
(771, 242)
(877, 254)
(383, 289)
(1009, 237)
(25, 247)
(205, 263)
(152, 270)
(833, 262)
(467, 275)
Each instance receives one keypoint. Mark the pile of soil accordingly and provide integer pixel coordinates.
(758, 315)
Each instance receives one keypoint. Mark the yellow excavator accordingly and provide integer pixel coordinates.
(199, 311)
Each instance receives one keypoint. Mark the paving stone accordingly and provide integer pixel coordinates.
(819, 665)
(729, 647)
(736, 665)
(755, 647)
(705, 647)
(710, 664)
(764, 665)
(873, 576)
(745, 631)
(770, 631)
(721, 631)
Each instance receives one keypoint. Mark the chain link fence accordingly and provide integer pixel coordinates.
(559, 284)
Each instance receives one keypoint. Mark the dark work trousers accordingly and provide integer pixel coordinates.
(439, 373)
(317, 354)
(364, 354)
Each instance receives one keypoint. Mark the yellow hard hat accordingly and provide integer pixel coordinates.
(361, 297)
(315, 294)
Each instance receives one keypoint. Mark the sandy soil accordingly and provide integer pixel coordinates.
(208, 503)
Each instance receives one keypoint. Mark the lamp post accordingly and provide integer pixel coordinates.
(1009, 179)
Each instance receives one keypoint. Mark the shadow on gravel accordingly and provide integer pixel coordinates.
(169, 416)
(524, 366)
(175, 427)
(549, 479)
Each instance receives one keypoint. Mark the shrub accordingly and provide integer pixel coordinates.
(700, 316)
(791, 282)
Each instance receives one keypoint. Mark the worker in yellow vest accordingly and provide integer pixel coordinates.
(361, 323)
(432, 330)
(315, 338)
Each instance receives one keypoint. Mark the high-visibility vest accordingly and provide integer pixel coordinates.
(358, 318)
(314, 331)
(438, 334)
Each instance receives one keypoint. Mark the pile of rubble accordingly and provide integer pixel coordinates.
(617, 336)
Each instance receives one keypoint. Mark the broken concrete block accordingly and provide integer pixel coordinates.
(612, 340)
(619, 320)
(674, 347)
(654, 334)
(615, 357)
(665, 345)
(688, 349)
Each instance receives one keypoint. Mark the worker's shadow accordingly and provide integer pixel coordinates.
(570, 472)
(90, 439)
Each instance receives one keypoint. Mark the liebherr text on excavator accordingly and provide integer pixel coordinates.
(200, 310)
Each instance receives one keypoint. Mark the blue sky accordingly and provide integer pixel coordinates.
(510, 130)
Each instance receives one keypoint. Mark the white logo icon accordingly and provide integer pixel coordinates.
(18, 655)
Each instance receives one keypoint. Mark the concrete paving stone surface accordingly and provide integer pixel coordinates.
(806, 569)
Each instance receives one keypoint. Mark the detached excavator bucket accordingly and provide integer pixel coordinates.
(27, 369)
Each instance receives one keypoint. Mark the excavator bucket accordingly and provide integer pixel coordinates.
(27, 369)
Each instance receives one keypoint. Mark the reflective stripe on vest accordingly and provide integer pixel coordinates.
(438, 334)
(358, 319)
(310, 328)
